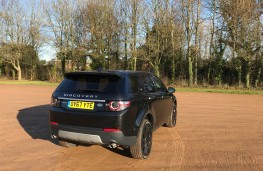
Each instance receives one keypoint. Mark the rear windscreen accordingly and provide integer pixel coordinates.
(90, 83)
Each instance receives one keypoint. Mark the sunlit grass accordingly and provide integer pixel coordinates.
(218, 90)
(231, 90)
(26, 82)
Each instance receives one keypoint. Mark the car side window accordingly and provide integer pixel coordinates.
(133, 84)
(148, 85)
(160, 87)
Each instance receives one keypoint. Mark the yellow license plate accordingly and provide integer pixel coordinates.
(81, 105)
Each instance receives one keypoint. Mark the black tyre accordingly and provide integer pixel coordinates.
(142, 148)
(172, 119)
(67, 144)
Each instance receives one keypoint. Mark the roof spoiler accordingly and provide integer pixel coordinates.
(103, 73)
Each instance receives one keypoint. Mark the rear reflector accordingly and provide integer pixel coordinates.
(54, 123)
(111, 130)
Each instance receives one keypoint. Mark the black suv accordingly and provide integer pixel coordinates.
(112, 108)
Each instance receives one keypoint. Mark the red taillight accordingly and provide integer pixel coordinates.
(54, 123)
(111, 130)
(118, 105)
(54, 101)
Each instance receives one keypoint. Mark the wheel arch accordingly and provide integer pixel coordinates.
(144, 114)
(175, 100)
(149, 117)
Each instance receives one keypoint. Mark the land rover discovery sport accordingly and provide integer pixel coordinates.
(112, 108)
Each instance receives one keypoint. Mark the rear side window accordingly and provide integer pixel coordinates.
(90, 83)
(148, 85)
(133, 84)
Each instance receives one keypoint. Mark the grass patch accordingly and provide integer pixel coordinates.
(218, 90)
(231, 90)
(26, 82)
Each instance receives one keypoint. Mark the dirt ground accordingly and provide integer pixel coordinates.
(213, 132)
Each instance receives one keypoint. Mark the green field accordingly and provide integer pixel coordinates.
(26, 82)
(221, 90)
(179, 89)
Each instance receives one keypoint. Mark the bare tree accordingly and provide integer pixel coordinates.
(135, 19)
(60, 18)
(35, 36)
(101, 27)
(242, 29)
(124, 26)
(167, 37)
(197, 37)
(188, 22)
(13, 20)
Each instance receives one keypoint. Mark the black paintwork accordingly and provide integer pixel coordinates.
(156, 105)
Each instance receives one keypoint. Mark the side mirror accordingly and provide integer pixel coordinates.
(171, 90)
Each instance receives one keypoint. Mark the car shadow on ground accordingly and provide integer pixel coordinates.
(34, 120)
(121, 151)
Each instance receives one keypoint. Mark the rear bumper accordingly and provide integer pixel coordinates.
(123, 120)
(91, 135)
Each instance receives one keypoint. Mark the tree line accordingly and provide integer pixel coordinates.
(187, 42)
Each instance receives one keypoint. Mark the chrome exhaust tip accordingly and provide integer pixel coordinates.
(113, 145)
(53, 136)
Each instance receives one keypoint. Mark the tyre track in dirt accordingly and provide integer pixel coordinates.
(167, 150)
(178, 153)
(222, 133)
(166, 155)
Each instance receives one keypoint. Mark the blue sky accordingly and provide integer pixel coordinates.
(47, 52)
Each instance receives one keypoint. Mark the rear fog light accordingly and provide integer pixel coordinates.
(54, 123)
(111, 130)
